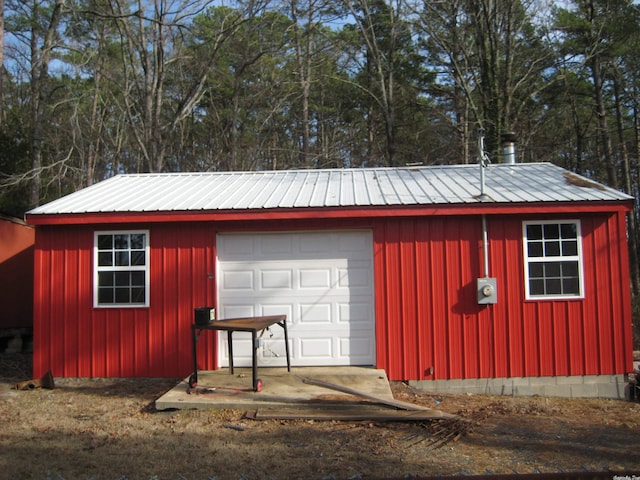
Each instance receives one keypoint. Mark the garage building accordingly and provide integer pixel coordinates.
(443, 275)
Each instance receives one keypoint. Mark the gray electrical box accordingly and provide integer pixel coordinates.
(487, 291)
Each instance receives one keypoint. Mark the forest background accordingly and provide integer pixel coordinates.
(93, 88)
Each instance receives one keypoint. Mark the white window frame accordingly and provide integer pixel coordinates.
(125, 268)
(553, 258)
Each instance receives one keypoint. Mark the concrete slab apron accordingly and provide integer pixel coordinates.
(220, 389)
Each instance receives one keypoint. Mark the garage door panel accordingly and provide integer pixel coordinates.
(238, 280)
(237, 247)
(313, 245)
(316, 349)
(313, 315)
(274, 246)
(315, 278)
(271, 351)
(355, 347)
(277, 309)
(356, 315)
(276, 279)
(354, 242)
(354, 277)
(322, 281)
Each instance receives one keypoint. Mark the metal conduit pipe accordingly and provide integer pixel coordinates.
(485, 246)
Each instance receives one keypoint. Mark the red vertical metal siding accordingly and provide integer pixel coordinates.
(407, 302)
(436, 271)
(434, 259)
(59, 293)
(72, 339)
(428, 318)
(602, 324)
(622, 297)
(16, 271)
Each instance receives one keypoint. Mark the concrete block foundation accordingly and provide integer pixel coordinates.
(590, 386)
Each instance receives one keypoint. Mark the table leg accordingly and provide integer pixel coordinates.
(254, 360)
(193, 379)
(230, 344)
(286, 344)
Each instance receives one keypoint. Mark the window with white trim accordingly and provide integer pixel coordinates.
(121, 269)
(553, 259)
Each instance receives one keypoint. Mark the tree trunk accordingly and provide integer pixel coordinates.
(633, 227)
(380, 63)
(40, 57)
(303, 65)
(601, 111)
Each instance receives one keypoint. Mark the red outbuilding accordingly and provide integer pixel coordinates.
(504, 278)
(17, 241)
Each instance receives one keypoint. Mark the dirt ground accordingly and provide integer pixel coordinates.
(108, 429)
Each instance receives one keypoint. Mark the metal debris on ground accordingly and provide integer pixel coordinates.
(240, 427)
(442, 427)
(46, 381)
(442, 431)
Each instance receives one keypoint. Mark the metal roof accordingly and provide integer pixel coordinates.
(367, 187)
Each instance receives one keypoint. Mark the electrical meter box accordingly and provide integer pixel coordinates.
(487, 291)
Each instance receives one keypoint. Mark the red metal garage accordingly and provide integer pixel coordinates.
(528, 280)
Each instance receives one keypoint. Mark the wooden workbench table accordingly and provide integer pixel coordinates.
(247, 324)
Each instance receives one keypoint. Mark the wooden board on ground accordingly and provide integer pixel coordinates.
(353, 415)
(391, 402)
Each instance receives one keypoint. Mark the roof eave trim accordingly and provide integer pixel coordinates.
(330, 212)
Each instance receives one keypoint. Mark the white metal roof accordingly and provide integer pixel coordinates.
(432, 185)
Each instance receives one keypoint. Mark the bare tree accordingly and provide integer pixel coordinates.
(382, 27)
(493, 57)
(151, 34)
(303, 70)
(42, 44)
(595, 64)
(444, 34)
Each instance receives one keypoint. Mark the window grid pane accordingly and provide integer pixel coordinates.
(121, 263)
(552, 256)
(554, 278)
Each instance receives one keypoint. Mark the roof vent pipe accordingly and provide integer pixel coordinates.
(483, 161)
(509, 147)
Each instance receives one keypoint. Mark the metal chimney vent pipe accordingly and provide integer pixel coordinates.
(509, 147)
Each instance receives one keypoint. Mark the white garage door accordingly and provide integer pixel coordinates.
(322, 281)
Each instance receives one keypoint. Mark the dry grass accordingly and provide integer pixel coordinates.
(108, 429)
